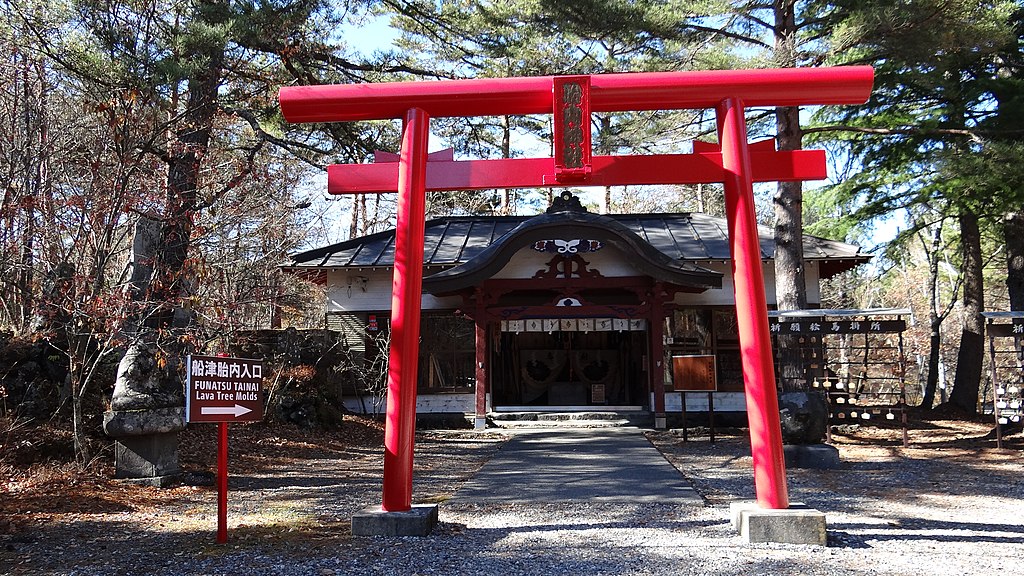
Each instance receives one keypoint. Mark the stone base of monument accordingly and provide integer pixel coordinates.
(797, 524)
(146, 445)
(374, 521)
(151, 459)
(813, 456)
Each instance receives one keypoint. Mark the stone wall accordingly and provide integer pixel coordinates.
(306, 373)
(34, 382)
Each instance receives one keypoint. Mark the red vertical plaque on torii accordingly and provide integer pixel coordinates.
(571, 111)
(733, 161)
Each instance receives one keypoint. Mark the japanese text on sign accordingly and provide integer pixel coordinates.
(572, 128)
(224, 389)
(836, 327)
(1006, 330)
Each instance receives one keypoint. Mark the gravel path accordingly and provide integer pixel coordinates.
(891, 511)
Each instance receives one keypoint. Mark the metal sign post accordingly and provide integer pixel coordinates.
(223, 390)
(222, 483)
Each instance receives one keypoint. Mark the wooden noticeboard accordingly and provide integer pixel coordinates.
(694, 373)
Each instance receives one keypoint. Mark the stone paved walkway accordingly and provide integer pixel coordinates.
(596, 465)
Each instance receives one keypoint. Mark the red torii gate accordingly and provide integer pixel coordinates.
(571, 99)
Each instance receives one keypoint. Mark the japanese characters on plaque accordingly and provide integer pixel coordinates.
(572, 127)
(215, 368)
(1009, 388)
(820, 326)
(574, 325)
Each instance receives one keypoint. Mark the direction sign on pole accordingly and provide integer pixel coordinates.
(224, 389)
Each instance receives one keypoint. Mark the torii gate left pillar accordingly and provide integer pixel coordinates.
(571, 100)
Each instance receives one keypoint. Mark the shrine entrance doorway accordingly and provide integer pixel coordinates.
(582, 364)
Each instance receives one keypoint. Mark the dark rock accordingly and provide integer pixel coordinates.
(803, 416)
(199, 478)
(812, 456)
(122, 423)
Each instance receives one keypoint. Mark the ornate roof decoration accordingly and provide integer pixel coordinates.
(575, 246)
(566, 202)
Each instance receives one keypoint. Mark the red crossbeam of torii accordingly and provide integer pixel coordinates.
(571, 100)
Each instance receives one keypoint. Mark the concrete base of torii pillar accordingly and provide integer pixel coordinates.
(375, 521)
(797, 524)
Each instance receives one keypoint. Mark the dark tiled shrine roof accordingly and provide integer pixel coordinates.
(455, 240)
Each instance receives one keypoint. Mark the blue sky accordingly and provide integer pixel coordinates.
(375, 34)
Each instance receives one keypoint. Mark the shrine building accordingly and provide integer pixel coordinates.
(563, 311)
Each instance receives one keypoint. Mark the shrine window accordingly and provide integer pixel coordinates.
(447, 354)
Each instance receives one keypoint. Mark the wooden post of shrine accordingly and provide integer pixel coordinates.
(656, 333)
(481, 368)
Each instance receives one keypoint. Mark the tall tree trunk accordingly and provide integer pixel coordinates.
(33, 153)
(1013, 231)
(931, 385)
(790, 283)
(970, 358)
(934, 321)
(790, 278)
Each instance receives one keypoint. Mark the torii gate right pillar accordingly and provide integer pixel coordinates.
(751, 313)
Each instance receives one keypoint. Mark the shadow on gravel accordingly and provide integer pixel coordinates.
(495, 534)
(841, 539)
(300, 483)
(935, 530)
(914, 479)
(99, 548)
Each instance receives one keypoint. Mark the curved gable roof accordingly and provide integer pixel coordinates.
(456, 240)
(568, 220)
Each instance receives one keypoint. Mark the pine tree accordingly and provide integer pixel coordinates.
(185, 93)
(935, 62)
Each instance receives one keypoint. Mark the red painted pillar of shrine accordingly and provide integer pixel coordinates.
(481, 369)
(406, 296)
(657, 336)
(752, 310)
